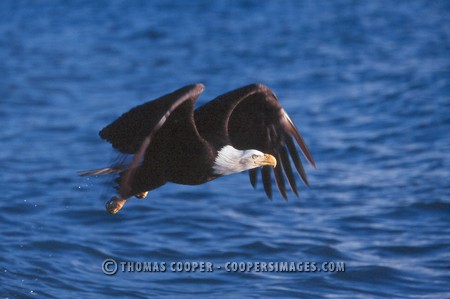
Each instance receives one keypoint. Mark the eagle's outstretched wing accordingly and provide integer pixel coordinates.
(133, 132)
(252, 118)
(128, 132)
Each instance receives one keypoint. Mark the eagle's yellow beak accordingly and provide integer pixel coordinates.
(266, 160)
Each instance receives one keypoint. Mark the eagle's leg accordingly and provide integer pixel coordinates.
(115, 204)
(142, 195)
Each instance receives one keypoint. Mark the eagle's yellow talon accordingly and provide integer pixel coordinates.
(115, 204)
(142, 195)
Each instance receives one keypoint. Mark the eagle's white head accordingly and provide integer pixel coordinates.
(231, 160)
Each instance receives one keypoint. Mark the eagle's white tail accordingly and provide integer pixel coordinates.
(103, 171)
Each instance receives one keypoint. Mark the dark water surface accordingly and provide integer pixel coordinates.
(367, 82)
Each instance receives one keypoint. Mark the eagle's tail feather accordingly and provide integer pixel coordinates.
(103, 171)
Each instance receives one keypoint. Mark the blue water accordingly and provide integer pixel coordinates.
(367, 83)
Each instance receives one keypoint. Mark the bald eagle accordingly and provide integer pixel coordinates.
(245, 129)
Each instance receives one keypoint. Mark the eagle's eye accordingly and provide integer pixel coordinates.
(254, 156)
